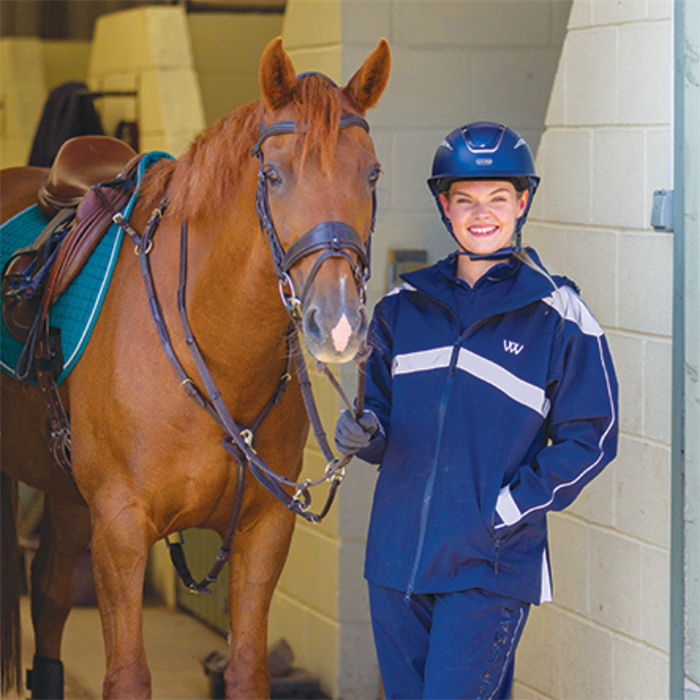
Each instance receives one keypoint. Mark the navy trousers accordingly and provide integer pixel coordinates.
(446, 646)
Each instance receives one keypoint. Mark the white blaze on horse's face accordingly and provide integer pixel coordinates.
(320, 183)
(342, 332)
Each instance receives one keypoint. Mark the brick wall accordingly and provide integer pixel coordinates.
(607, 146)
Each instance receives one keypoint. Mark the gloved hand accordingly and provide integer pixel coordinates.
(352, 435)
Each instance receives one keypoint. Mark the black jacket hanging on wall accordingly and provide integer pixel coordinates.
(68, 112)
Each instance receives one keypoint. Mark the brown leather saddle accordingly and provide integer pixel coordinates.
(35, 276)
(80, 163)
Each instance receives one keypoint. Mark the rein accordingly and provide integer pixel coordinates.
(334, 239)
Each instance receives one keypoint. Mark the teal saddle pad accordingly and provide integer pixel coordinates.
(76, 310)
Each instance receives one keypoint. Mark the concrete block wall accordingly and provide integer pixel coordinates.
(29, 69)
(22, 94)
(148, 50)
(454, 61)
(65, 60)
(226, 50)
(606, 148)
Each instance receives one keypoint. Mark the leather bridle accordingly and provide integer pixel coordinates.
(335, 238)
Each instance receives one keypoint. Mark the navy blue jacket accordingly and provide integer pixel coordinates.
(498, 403)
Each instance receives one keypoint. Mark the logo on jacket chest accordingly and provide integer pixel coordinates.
(512, 347)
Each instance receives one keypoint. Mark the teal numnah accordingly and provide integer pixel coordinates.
(76, 310)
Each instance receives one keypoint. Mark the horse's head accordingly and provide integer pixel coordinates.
(316, 195)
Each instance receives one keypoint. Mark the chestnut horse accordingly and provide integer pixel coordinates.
(146, 460)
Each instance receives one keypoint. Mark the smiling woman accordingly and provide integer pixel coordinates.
(483, 214)
(491, 400)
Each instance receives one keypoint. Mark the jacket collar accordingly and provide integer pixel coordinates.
(530, 285)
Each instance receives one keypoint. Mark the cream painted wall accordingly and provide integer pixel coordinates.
(606, 148)
(148, 50)
(22, 94)
(454, 61)
(65, 60)
(226, 50)
(29, 69)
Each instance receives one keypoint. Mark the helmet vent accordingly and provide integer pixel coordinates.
(482, 137)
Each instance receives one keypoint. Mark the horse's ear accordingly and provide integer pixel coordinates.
(276, 75)
(367, 85)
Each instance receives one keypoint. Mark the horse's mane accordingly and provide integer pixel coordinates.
(209, 171)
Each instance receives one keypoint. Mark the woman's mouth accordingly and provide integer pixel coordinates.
(481, 231)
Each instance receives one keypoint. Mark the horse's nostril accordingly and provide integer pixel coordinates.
(311, 326)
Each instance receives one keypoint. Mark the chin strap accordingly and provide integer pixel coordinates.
(500, 254)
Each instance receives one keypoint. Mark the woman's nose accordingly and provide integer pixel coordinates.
(480, 209)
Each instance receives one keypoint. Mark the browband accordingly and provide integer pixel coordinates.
(290, 127)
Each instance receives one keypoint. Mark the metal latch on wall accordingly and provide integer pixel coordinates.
(404, 260)
(662, 210)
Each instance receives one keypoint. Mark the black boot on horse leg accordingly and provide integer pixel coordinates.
(65, 534)
(45, 679)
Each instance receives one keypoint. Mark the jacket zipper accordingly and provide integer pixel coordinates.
(430, 484)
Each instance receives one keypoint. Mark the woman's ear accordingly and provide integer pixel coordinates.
(522, 202)
(445, 202)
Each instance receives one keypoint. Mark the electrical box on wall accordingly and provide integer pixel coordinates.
(401, 260)
(662, 210)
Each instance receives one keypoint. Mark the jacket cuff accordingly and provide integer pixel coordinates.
(506, 508)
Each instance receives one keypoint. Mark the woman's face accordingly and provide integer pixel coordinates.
(483, 213)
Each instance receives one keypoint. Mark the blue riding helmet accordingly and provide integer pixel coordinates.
(484, 151)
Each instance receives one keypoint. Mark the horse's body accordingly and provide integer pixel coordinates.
(147, 461)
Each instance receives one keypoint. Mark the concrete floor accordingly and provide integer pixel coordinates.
(175, 645)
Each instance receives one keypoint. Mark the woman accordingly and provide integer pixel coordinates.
(491, 400)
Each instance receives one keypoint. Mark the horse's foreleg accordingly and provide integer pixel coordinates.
(258, 557)
(65, 534)
(120, 544)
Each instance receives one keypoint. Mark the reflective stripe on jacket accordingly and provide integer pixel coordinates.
(486, 427)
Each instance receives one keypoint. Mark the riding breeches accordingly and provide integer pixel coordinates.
(446, 646)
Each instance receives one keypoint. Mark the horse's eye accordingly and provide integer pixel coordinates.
(374, 175)
(272, 176)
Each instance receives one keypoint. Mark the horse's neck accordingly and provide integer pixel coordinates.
(235, 304)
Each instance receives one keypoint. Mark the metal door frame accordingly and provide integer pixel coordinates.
(685, 441)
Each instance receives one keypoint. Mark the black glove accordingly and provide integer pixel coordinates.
(352, 435)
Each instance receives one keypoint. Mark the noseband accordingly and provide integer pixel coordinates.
(334, 238)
